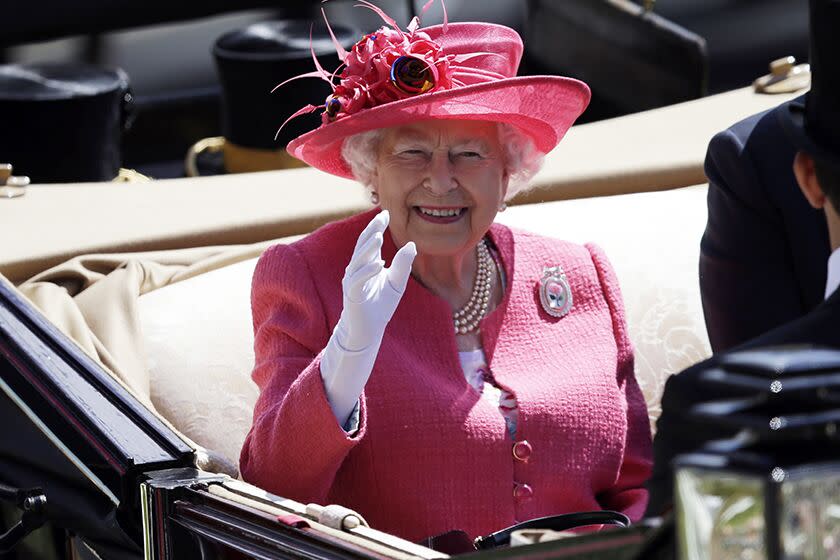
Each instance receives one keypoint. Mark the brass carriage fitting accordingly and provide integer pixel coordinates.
(785, 77)
(11, 186)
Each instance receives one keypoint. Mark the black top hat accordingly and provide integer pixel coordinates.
(814, 127)
(63, 122)
(252, 61)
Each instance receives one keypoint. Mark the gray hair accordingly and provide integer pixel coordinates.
(522, 159)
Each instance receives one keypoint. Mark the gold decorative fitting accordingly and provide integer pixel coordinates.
(238, 159)
(11, 186)
(212, 145)
(785, 77)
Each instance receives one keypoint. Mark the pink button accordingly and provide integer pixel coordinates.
(522, 492)
(522, 450)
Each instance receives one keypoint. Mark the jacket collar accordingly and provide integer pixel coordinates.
(424, 313)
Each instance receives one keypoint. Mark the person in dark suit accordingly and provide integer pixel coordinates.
(812, 127)
(762, 256)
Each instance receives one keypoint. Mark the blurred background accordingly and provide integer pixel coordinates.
(633, 60)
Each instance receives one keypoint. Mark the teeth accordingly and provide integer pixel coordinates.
(436, 212)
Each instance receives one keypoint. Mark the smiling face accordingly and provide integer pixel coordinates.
(442, 181)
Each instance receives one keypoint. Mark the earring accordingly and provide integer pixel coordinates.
(374, 197)
(503, 207)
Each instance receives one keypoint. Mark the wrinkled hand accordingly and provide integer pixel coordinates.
(371, 291)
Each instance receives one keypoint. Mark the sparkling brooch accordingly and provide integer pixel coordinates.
(555, 292)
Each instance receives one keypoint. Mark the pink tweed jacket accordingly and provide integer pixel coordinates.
(430, 455)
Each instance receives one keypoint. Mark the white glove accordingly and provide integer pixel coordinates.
(371, 295)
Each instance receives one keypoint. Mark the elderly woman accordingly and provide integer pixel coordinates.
(419, 363)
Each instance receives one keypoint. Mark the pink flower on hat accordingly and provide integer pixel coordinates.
(368, 76)
(385, 66)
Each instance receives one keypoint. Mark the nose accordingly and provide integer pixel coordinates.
(441, 177)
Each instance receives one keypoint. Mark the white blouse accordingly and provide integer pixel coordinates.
(480, 378)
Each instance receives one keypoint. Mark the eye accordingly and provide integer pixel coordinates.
(470, 155)
(412, 153)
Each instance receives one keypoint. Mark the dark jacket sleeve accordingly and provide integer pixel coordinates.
(748, 281)
(677, 432)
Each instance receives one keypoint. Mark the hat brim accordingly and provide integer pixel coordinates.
(543, 107)
(792, 119)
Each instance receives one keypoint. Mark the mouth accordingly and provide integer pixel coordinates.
(441, 214)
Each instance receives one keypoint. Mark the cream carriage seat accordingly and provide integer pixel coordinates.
(199, 345)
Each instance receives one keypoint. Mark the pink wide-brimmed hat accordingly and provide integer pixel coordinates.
(450, 71)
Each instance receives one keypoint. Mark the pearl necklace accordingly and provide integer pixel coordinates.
(468, 317)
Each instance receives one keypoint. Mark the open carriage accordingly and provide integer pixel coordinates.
(125, 397)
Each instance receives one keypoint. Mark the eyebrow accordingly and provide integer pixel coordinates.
(418, 140)
(478, 145)
(410, 141)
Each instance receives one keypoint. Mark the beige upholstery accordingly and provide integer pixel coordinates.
(198, 339)
(658, 149)
(199, 346)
